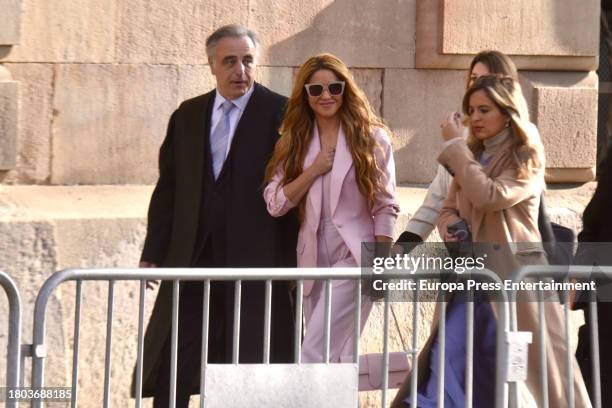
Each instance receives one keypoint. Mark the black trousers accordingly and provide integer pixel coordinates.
(189, 344)
(220, 334)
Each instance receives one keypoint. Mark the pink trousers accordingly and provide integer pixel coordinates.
(332, 252)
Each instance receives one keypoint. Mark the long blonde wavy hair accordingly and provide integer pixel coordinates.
(506, 94)
(356, 117)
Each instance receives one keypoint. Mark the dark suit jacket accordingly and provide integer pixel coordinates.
(595, 242)
(178, 220)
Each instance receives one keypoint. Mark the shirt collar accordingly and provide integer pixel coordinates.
(240, 103)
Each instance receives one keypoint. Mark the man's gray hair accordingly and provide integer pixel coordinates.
(231, 30)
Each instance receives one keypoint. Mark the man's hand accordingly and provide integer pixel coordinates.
(151, 284)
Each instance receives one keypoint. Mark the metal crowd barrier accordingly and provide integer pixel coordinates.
(501, 380)
(564, 273)
(267, 275)
(175, 275)
(13, 354)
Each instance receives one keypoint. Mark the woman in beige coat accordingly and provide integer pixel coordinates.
(498, 180)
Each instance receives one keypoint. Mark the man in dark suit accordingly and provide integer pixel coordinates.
(594, 248)
(207, 210)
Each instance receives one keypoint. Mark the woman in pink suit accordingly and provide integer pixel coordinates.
(334, 162)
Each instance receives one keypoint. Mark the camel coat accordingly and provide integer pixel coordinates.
(502, 212)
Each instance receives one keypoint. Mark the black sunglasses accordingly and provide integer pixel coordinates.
(334, 88)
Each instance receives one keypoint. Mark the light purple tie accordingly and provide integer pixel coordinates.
(219, 138)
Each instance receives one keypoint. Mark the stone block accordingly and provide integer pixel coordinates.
(172, 32)
(371, 82)
(558, 175)
(278, 79)
(10, 21)
(28, 256)
(44, 229)
(109, 122)
(35, 114)
(196, 80)
(564, 108)
(414, 104)
(572, 197)
(103, 243)
(9, 111)
(544, 27)
(567, 120)
(5, 74)
(443, 28)
(67, 31)
(360, 32)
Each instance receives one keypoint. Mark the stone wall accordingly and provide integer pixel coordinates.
(99, 79)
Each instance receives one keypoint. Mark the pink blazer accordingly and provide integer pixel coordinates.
(353, 218)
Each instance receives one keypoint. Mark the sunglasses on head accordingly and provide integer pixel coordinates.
(334, 88)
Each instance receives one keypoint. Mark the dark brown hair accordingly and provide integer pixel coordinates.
(497, 63)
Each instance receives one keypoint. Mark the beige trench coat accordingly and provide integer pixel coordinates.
(501, 209)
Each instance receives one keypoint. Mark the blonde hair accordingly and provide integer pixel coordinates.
(505, 93)
(357, 118)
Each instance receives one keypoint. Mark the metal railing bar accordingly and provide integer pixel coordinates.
(327, 334)
(109, 343)
(75, 350)
(140, 344)
(14, 365)
(236, 332)
(595, 367)
(267, 322)
(414, 352)
(385, 363)
(502, 389)
(442, 345)
(357, 322)
(205, 325)
(221, 274)
(297, 339)
(469, 350)
(569, 356)
(174, 341)
(543, 351)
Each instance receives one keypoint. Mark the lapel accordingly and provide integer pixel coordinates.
(197, 133)
(248, 116)
(343, 160)
(315, 193)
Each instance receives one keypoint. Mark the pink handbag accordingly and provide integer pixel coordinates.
(370, 367)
